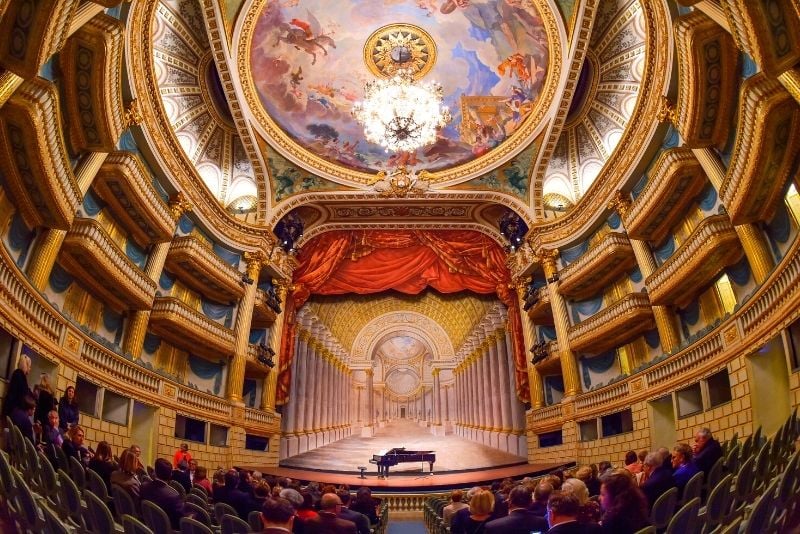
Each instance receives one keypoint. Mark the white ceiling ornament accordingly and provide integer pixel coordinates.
(411, 324)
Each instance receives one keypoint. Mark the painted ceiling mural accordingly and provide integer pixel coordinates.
(401, 348)
(307, 68)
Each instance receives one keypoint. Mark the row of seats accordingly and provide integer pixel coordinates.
(752, 489)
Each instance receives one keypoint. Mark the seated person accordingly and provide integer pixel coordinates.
(160, 493)
(22, 417)
(683, 467)
(562, 516)
(125, 476)
(455, 505)
(706, 450)
(520, 519)
(74, 446)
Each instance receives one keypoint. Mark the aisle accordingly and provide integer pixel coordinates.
(406, 527)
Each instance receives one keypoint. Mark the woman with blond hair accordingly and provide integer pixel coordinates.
(481, 506)
(18, 387)
(589, 511)
(45, 399)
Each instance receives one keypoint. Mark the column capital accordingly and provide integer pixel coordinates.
(548, 258)
(178, 205)
(435, 371)
(133, 115)
(621, 203)
(255, 261)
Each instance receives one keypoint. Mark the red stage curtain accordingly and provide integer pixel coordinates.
(371, 261)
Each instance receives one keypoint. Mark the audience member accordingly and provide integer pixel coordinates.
(682, 465)
(235, 497)
(295, 499)
(658, 477)
(74, 446)
(360, 520)
(480, 509)
(604, 469)
(706, 450)
(201, 479)
(589, 511)
(18, 387)
(181, 475)
(562, 515)
(182, 454)
(159, 492)
(45, 400)
(540, 497)
(68, 412)
(365, 504)
(455, 505)
(22, 416)
(125, 475)
(632, 463)
(277, 516)
(461, 516)
(520, 519)
(306, 508)
(103, 463)
(589, 476)
(624, 505)
(328, 520)
(51, 437)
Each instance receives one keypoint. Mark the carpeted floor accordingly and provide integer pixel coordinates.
(406, 527)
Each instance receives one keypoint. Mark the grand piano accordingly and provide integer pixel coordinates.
(400, 455)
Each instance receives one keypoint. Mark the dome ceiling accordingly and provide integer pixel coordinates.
(254, 98)
(309, 64)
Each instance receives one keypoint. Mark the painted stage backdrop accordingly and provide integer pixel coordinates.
(308, 68)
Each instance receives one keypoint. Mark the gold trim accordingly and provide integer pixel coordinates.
(383, 41)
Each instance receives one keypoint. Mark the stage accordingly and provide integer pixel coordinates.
(459, 462)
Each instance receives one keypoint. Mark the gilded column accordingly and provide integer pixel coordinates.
(83, 14)
(274, 342)
(447, 390)
(244, 317)
(752, 239)
(714, 12)
(791, 81)
(664, 317)
(137, 323)
(87, 169)
(507, 388)
(290, 418)
(517, 411)
(569, 366)
(534, 378)
(302, 377)
(319, 394)
(9, 82)
(497, 391)
(327, 403)
(44, 256)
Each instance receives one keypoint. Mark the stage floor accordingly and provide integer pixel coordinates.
(453, 453)
(459, 462)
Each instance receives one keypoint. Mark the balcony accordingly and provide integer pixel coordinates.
(253, 364)
(189, 330)
(265, 309)
(620, 323)
(92, 257)
(33, 158)
(711, 247)
(125, 186)
(767, 141)
(708, 75)
(598, 267)
(197, 266)
(546, 357)
(675, 180)
(91, 61)
(539, 310)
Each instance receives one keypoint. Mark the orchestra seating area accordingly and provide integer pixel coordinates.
(753, 489)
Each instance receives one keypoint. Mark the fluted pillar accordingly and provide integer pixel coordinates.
(274, 342)
(367, 430)
(241, 331)
(569, 365)
(497, 391)
(316, 422)
(508, 395)
(85, 12)
(137, 323)
(437, 397)
(534, 378)
(752, 239)
(517, 412)
(9, 82)
(791, 81)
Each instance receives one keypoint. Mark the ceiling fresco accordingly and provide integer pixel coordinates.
(401, 348)
(307, 67)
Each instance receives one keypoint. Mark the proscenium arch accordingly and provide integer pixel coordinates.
(416, 325)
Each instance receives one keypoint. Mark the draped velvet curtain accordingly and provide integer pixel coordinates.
(407, 261)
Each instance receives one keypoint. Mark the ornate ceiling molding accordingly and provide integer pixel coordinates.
(412, 324)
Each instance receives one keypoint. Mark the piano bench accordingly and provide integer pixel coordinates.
(362, 469)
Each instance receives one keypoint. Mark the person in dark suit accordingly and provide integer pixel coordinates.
(328, 521)
(239, 500)
(659, 477)
(159, 492)
(540, 496)
(361, 521)
(277, 515)
(22, 416)
(181, 476)
(683, 468)
(562, 515)
(520, 520)
(706, 450)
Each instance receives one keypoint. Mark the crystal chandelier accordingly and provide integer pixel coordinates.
(401, 115)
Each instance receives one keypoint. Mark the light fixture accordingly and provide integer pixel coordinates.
(401, 115)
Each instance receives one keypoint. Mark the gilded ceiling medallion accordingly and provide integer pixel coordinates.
(400, 46)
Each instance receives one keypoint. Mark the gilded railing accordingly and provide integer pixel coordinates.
(23, 304)
(783, 287)
(171, 306)
(203, 402)
(547, 414)
(119, 368)
(627, 303)
(594, 399)
(259, 417)
(594, 255)
(698, 353)
(203, 253)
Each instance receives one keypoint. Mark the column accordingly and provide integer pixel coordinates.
(497, 392)
(753, 241)
(306, 441)
(517, 413)
(534, 378)
(368, 430)
(436, 394)
(507, 391)
(9, 82)
(325, 399)
(85, 12)
(274, 342)
(384, 415)
(664, 317)
(241, 331)
(319, 393)
(295, 413)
